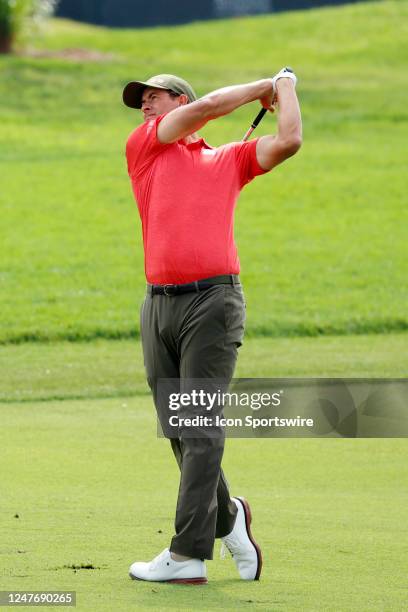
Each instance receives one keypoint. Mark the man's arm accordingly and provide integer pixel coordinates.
(273, 150)
(189, 118)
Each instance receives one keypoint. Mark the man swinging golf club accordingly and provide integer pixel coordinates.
(192, 318)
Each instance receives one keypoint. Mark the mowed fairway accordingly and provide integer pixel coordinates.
(92, 486)
(88, 488)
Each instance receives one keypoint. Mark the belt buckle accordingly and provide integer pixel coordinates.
(166, 290)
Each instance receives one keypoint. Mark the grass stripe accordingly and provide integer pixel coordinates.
(300, 330)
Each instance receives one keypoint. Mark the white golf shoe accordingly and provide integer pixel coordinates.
(164, 569)
(243, 548)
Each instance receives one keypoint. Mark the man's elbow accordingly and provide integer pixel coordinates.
(292, 145)
(206, 107)
(212, 107)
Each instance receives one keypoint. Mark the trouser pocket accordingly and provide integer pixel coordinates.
(234, 306)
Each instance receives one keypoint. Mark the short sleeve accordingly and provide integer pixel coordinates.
(143, 146)
(247, 163)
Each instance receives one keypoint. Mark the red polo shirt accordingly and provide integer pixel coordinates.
(186, 195)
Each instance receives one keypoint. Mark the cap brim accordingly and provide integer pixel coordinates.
(132, 93)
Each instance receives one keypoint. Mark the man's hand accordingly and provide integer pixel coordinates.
(273, 150)
(284, 73)
(269, 101)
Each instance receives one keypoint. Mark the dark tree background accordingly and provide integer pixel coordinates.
(141, 13)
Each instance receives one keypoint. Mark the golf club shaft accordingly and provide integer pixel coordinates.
(254, 123)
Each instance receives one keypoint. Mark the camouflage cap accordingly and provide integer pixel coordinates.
(132, 93)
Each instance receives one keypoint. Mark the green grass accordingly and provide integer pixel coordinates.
(86, 482)
(105, 369)
(96, 487)
(323, 252)
(322, 239)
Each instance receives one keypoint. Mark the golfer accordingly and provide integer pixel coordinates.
(192, 318)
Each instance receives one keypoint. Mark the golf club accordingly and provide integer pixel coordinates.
(262, 112)
(255, 122)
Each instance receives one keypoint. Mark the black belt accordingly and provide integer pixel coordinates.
(201, 285)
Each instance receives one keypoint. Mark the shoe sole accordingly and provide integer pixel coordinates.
(248, 521)
(175, 581)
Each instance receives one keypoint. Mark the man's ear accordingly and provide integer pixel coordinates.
(183, 99)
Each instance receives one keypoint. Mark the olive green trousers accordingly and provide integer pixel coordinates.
(195, 336)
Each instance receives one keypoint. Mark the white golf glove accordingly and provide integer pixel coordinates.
(285, 73)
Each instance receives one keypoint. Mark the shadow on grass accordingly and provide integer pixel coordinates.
(221, 594)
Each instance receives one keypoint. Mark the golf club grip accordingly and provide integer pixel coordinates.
(259, 117)
(254, 123)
